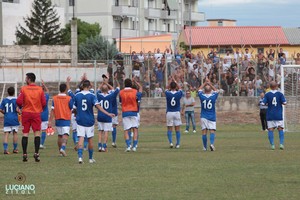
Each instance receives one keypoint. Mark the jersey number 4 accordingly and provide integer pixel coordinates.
(207, 104)
(274, 102)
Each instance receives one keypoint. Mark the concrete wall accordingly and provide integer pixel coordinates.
(13, 52)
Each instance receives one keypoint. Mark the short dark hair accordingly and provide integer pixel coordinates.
(31, 76)
(86, 84)
(62, 87)
(11, 91)
(128, 82)
(173, 85)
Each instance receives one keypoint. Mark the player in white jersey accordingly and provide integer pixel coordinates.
(208, 96)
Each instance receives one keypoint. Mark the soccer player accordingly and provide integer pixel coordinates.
(11, 124)
(129, 103)
(105, 122)
(263, 112)
(173, 96)
(32, 100)
(208, 99)
(61, 111)
(44, 116)
(84, 101)
(274, 99)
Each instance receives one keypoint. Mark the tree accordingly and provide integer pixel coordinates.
(97, 48)
(42, 26)
(84, 31)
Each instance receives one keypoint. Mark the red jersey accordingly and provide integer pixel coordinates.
(128, 97)
(31, 99)
(62, 108)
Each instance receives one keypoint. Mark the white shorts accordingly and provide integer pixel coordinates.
(83, 131)
(73, 122)
(105, 126)
(136, 73)
(44, 125)
(173, 119)
(139, 119)
(10, 129)
(130, 122)
(275, 124)
(62, 130)
(115, 120)
(206, 124)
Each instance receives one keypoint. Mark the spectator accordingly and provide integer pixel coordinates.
(247, 53)
(228, 57)
(258, 85)
(250, 90)
(188, 111)
(157, 91)
(169, 57)
(237, 55)
(158, 56)
(120, 76)
(297, 58)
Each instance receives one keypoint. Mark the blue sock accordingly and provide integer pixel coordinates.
(169, 134)
(43, 138)
(79, 152)
(75, 139)
(281, 137)
(129, 135)
(135, 143)
(5, 145)
(271, 137)
(85, 142)
(128, 143)
(91, 151)
(114, 135)
(204, 141)
(99, 145)
(177, 137)
(212, 138)
(104, 145)
(15, 146)
(63, 147)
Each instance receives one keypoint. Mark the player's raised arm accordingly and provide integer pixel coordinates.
(138, 84)
(44, 86)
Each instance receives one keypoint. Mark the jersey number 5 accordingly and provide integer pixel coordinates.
(84, 105)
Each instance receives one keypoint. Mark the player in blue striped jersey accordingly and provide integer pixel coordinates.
(274, 99)
(84, 103)
(11, 124)
(44, 116)
(105, 99)
(208, 95)
(173, 117)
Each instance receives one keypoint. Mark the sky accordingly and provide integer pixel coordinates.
(285, 13)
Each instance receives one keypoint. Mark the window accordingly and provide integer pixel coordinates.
(169, 28)
(9, 1)
(260, 49)
(71, 2)
(220, 23)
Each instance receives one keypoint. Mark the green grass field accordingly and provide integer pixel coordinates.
(242, 167)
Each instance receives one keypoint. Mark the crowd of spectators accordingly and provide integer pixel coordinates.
(238, 72)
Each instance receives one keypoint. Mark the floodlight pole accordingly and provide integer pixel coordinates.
(1, 24)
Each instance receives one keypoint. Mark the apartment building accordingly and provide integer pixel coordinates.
(136, 18)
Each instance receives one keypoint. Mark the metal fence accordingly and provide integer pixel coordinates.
(233, 78)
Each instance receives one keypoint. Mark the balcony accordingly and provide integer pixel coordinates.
(168, 15)
(153, 13)
(195, 16)
(124, 10)
(126, 33)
